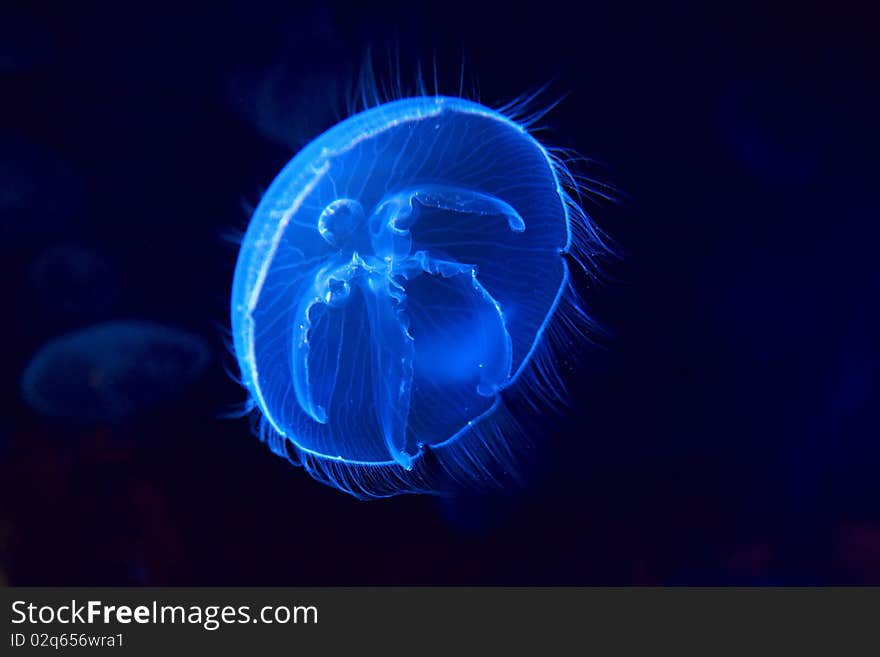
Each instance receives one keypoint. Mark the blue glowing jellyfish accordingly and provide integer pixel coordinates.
(109, 372)
(396, 278)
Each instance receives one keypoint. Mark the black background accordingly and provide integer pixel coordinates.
(726, 431)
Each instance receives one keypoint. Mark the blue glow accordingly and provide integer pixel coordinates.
(396, 278)
(108, 372)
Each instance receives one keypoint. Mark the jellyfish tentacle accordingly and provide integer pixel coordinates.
(300, 363)
(393, 346)
(329, 288)
(393, 356)
(381, 278)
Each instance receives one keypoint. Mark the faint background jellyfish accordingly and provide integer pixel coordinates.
(40, 193)
(25, 41)
(109, 372)
(402, 272)
(300, 88)
(74, 281)
(775, 131)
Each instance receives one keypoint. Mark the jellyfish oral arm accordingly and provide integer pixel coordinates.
(393, 355)
(381, 280)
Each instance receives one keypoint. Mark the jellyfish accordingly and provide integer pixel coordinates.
(402, 273)
(303, 80)
(109, 372)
